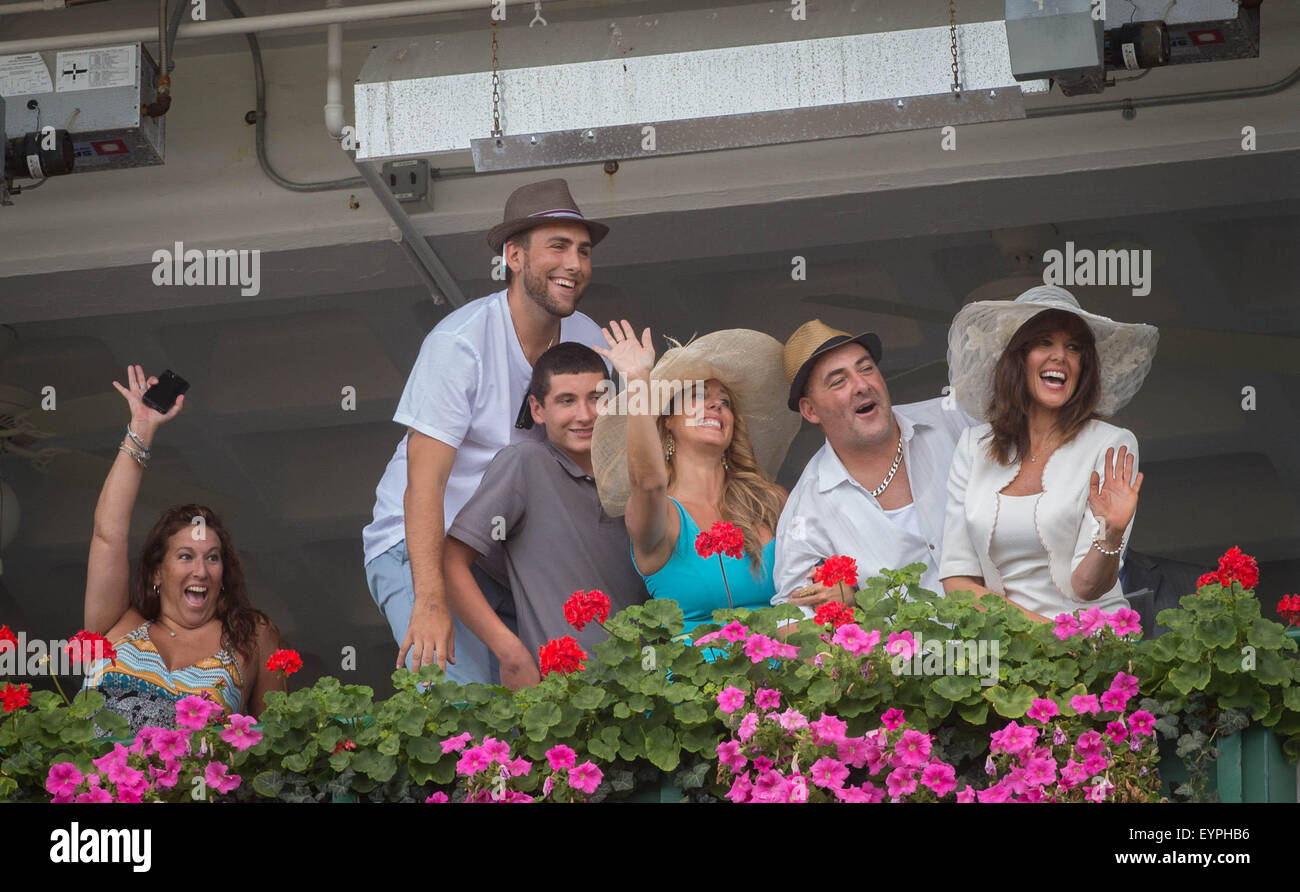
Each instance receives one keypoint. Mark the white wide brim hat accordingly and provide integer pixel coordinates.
(748, 363)
(981, 331)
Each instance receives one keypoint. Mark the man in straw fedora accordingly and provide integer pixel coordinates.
(464, 401)
(877, 489)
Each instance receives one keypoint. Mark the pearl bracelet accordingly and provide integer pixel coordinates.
(1097, 545)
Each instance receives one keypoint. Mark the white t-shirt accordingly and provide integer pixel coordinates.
(465, 390)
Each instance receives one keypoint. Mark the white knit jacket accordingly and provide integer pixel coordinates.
(1064, 521)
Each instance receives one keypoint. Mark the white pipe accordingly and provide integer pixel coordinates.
(334, 76)
(33, 6)
(312, 18)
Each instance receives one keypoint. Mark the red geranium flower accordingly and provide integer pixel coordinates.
(584, 607)
(837, 568)
(286, 661)
(833, 612)
(1234, 565)
(85, 648)
(1289, 608)
(7, 639)
(342, 745)
(722, 538)
(15, 696)
(561, 655)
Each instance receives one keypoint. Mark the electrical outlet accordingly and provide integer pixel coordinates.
(408, 180)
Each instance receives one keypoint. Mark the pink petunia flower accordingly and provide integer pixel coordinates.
(63, 779)
(1125, 621)
(472, 761)
(766, 698)
(1085, 704)
(547, 786)
(1072, 775)
(792, 720)
(518, 767)
(852, 638)
(496, 750)
(729, 754)
(112, 763)
(770, 786)
(1113, 701)
(828, 729)
(457, 743)
(966, 794)
(734, 631)
(169, 776)
(193, 713)
(758, 648)
(798, 788)
(1116, 731)
(892, 718)
(901, 782)
(1099, 791)
(585, 777)
(748, 725)
(561, 756)
(1125, 684)
(1013, 739)
(854, 794)
(1095, 764)
(1091, 620)
(1142, 722)
(437, 797)
(730, 699)
(95, 794)
(1040, 771)
(741, 788)
(240, 733)
(999, 792)
(1089, 744)
(852, 751)
(939, 777)
(1042, 710)
(216, 777)
(829, 773)
(706, 639)
(912, 749)
(1067, 625)
(901, 643)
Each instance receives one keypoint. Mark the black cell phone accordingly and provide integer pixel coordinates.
(162, 396)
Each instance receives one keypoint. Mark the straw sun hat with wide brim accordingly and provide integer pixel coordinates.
(748, 363)
(982, 330)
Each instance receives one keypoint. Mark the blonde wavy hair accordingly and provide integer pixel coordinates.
(750, 499)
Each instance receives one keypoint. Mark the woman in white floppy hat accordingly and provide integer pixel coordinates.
(1041, 498)
(708, 454)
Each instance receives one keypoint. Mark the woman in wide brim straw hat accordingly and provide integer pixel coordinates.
(1041, 498)
(674, 467)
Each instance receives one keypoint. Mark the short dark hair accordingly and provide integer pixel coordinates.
(565, 358)
(523, 240)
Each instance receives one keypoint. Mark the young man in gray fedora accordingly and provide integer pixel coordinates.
(461, 405)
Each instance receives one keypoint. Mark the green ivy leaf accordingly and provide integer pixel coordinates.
(662, 747)
(1188, 677)
(1266, 634)
(1010, 704)
(268, 783)
(1217, 631)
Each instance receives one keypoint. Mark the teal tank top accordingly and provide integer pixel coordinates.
(695, 583)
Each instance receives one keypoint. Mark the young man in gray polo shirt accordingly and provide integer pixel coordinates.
(539, 500)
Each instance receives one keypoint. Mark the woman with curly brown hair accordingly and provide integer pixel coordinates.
(705, 455)
(1041, 499)
(185, 627)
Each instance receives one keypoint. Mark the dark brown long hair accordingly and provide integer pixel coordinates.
(239, 618)
(1009, 409)
(750, 499)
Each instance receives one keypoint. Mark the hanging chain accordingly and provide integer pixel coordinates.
(952, 30)
(496, 85)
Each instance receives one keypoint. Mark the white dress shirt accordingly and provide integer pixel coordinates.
(829, 512)
(1063, 522)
